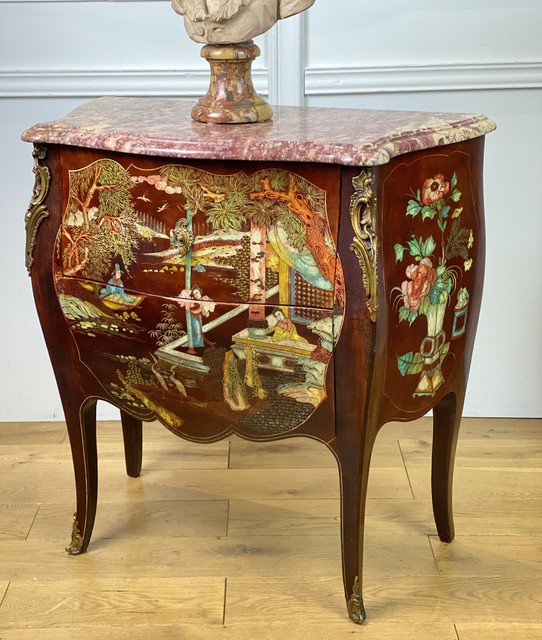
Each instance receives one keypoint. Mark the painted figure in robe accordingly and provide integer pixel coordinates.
(115, 285)
(284, 329)
(198, 307)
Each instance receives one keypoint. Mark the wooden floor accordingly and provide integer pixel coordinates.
(241, 541)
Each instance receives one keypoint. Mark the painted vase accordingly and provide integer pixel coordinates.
(432, 348)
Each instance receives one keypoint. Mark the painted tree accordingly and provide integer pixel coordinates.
(100, 220)
(230, 202)
(188, 180)
(254, 203)
(168, 329)
(304, 204)
(315, 226)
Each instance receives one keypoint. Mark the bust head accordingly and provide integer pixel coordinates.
(234, 21)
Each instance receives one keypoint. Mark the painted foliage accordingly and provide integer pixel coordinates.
(436, 263)
(208, 291)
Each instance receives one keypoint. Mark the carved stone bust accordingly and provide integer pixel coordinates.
(234, 21)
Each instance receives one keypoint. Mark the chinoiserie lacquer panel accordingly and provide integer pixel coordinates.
(172, 227)
(431, 230)
(202, 297)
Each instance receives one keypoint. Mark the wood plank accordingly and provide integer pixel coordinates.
(471, 599)
(3, 591)
(501, 428)
(181, 454)
(37, 482)
(489, 556)
(283, 531)
(16, 520)
(300, 453)
(415, 429)
(12, 455)
(53, 483)
(317, 599)
(431, 600)
(495, 517)
(284, 517)
(322, 517)
(32, 432)
(484, 484)
(55, 432)
(513, 631)
(156, 455)
(111, 431)
(156, 519)
(179, 557)
(117, 603)
(402, 516)
(481, 453)
(267, 629)
(386, 554)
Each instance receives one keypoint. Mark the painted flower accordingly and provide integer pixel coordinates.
(470, 243)
(422, 278)
(468, 264)
(434, 189)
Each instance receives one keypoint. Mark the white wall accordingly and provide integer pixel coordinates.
(480, 55)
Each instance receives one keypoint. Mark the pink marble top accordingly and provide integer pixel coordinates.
(163, 127)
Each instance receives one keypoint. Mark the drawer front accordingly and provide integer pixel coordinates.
(235, 232)
(203, 367)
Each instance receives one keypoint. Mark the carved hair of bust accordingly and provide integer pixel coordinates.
(233, 21)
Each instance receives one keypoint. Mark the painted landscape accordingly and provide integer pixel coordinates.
(197, 294)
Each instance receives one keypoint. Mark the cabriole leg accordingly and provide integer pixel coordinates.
(132, 431)
(81, 422)
(354, 472)
(446, 421)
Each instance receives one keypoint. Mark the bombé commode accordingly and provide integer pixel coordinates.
(290, 278)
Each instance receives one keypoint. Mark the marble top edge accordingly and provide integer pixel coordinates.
(296, 134)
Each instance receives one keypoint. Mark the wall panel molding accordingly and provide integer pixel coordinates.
(127, 82)
(280, 80)
(415, 78)
(287, 62)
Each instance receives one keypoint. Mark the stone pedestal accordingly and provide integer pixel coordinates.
(231, 98)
